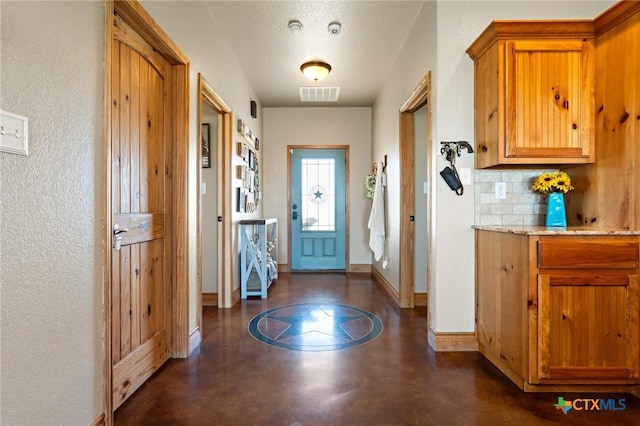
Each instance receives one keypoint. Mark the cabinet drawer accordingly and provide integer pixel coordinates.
(586, 253)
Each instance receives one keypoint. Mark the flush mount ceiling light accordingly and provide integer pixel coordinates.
(315, 70)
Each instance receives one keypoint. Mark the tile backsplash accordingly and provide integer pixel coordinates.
(522, 206)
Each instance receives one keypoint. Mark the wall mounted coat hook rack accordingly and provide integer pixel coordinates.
(456, 147)
(451, 150)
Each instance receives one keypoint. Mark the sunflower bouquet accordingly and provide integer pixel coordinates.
(552, 182)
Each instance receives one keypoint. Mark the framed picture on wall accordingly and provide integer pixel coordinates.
(252, 160)
(240, 200)
(243, 152)
(206, 145)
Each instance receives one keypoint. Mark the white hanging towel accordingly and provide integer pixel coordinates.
(376, 218)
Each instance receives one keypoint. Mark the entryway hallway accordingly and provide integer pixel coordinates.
(394, 379)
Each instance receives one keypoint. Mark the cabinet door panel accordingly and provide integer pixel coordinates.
(549, 99)
(588, 253)
(489, 94)
(588, 325)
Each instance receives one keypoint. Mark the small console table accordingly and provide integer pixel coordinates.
(258, 256)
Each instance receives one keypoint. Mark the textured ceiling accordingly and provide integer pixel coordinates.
(361, 56)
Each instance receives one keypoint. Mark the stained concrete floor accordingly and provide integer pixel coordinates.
(394, 379)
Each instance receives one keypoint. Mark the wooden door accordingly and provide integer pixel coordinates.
(141, 216)
(588, 325)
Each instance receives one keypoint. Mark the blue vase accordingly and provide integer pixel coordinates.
(556, 213)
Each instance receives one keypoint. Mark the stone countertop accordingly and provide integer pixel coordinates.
(543, 230)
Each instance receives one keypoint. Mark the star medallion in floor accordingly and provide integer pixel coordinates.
(313, 327)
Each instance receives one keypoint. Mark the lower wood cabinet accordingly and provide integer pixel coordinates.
(560, 312)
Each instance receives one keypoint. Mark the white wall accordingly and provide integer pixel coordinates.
(318, 126)
(51, 212)
(438, 41)
(51, 248)
(459, 24)
(194, 30)
(421, 204)
(418, 56)
(209, 206)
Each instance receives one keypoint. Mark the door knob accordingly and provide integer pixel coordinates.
(117, 238)
(117, 230)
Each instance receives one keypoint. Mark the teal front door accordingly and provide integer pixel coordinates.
(317, 209)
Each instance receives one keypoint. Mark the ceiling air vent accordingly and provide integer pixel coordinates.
(319, 94)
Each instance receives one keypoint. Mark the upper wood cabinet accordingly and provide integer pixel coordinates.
(534, 93)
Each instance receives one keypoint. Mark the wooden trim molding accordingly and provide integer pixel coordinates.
(180, 118)
(421, 299)
(99, 421)
(210, 299)
(538, 29)
(450, 342)
(419, 98)
(207, 95)
(420, 95)
(284, 267)
(407, 206)
(140, 20)
(615, 15)
(357, 268)
(235, 296)
(142, 23)
(225, 203)
(224, 139)
(385, 285)
(107, 359)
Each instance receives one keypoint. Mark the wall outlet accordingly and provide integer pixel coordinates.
(501, 190)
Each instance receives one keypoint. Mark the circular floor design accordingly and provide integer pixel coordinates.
(315, 327)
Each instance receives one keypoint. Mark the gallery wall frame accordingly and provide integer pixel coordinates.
(243, 152)
(206, 145)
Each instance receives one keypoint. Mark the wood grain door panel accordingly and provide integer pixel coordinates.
(588, 325)
(587, 252)
(549, 98)
(140, 198)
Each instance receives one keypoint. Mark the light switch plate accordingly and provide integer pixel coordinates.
(465, 175)
(14, 133)
(501, 190)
